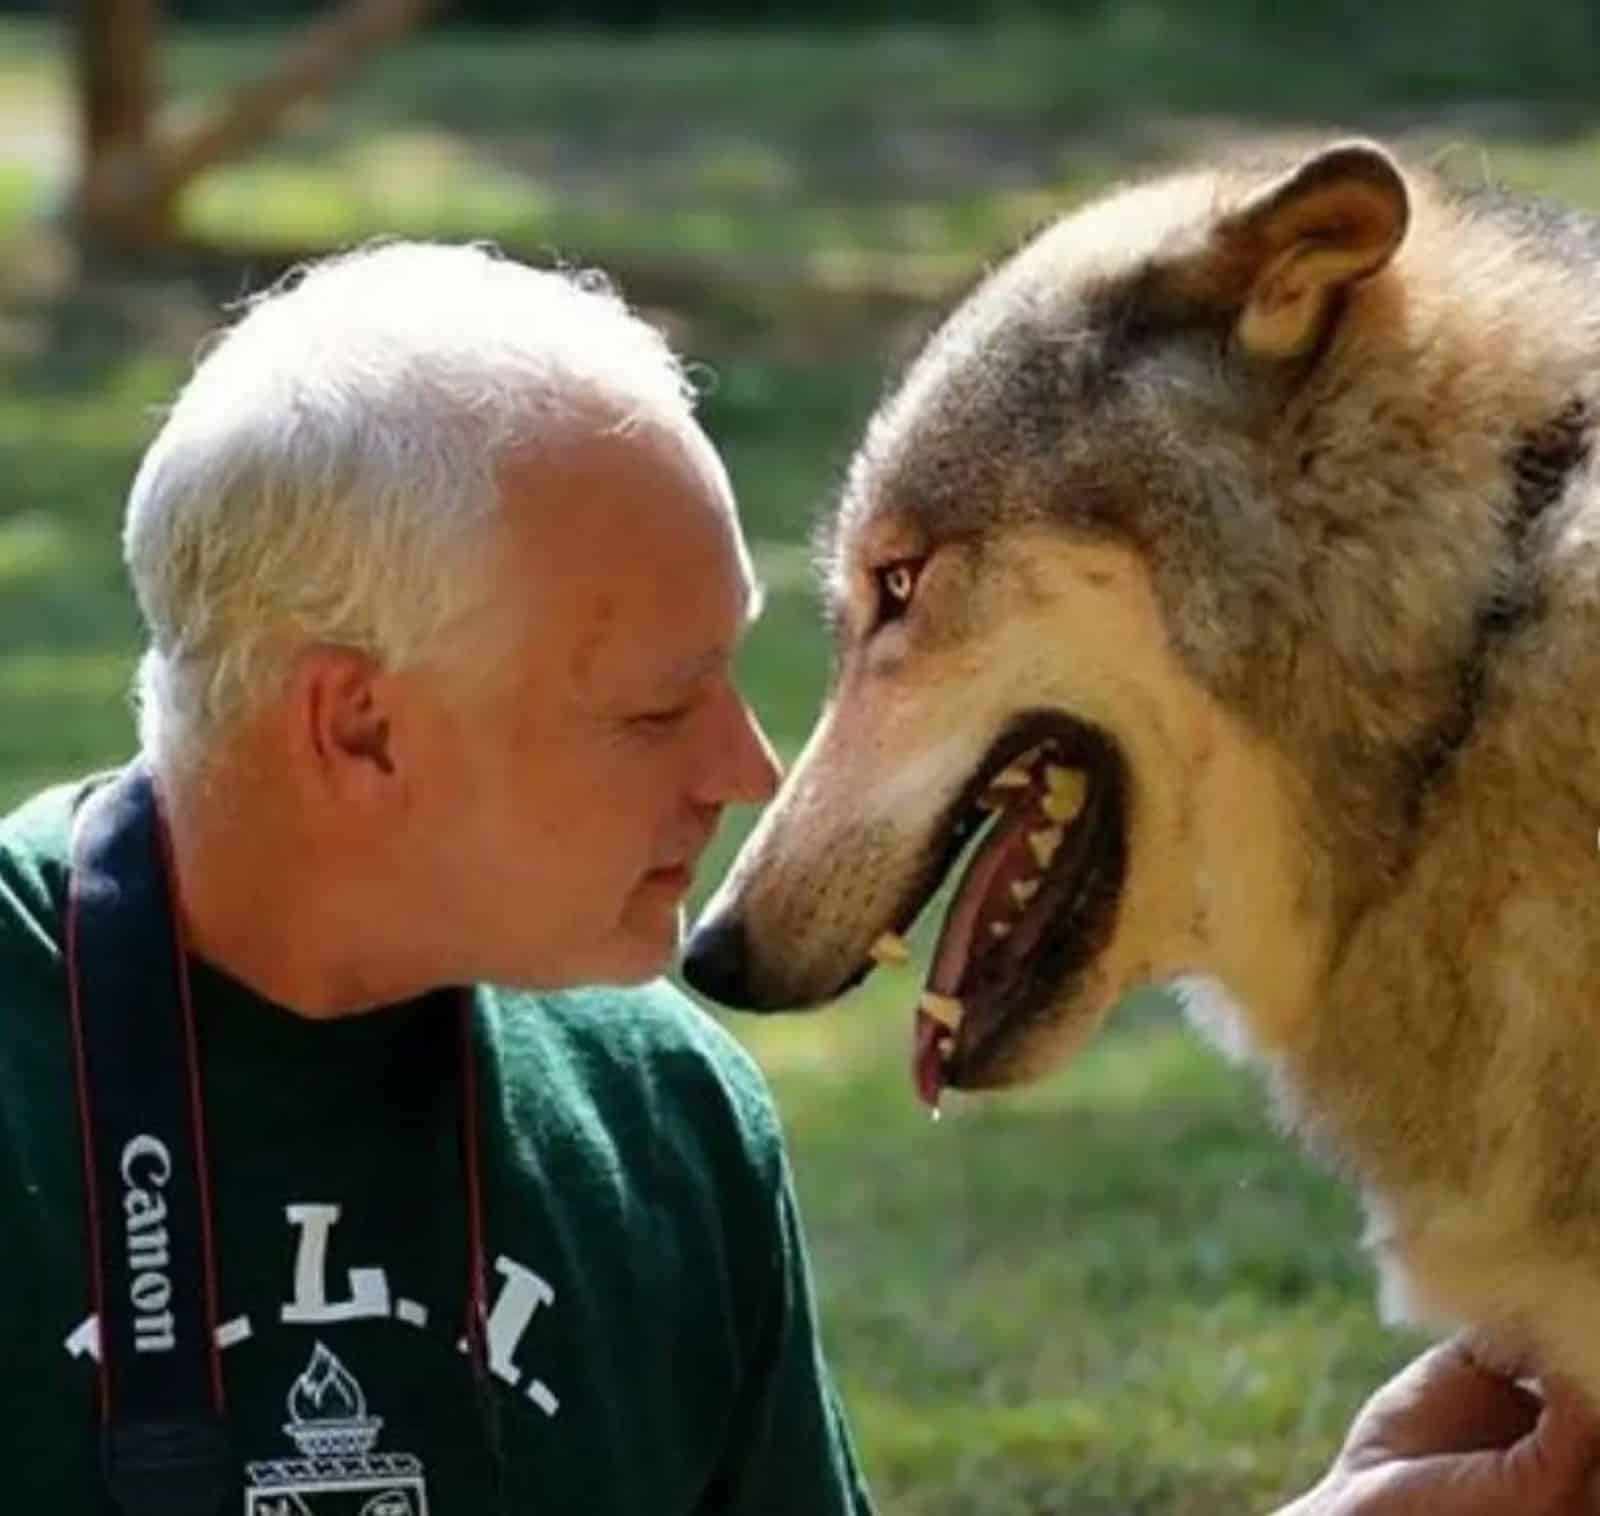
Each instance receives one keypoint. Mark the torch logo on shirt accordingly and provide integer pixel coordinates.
(337, 1472)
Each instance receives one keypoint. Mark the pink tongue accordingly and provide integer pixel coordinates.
(927, 1062)
(983, 874)
(955, 949)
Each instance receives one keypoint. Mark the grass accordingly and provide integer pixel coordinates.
(1112, 1293)
(1118, 1292)
(892, 154)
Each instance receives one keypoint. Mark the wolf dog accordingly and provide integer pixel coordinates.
(1222, 579)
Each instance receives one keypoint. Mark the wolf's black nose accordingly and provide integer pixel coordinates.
(714, 961)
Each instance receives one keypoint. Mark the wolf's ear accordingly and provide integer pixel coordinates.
(1336, 218)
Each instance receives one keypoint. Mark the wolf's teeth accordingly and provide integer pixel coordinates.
(999, 929)
(945, 1009)
(1012, 777)
(890, 950)
(1065, 793)
(1043, 844)
(1023, 890)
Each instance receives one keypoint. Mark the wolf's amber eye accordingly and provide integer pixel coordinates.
(897, 583)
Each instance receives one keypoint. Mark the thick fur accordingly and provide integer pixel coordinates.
(1280, 474)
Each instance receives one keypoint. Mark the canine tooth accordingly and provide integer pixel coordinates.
(890, 950)
(1023, 890)
(1066, 790)
(1012, 777)
(1043, 844)
(945, 1009)
(999, 929)
(946, 1047)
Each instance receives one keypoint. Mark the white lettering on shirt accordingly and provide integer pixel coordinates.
(369, 1289)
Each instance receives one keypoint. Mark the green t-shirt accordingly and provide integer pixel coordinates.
(652, 1337)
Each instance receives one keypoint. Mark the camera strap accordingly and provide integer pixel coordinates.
(152, 1259)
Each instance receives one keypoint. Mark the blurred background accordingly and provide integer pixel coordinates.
(1118, 1292)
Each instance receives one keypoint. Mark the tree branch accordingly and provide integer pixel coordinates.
(324, 53)
(130, 183)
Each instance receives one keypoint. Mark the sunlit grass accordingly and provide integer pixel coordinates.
(1114, 1292)
(897, 155)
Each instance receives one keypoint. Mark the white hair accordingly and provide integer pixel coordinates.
(327, 473)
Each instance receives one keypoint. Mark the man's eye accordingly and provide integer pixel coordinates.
(897, 583)
(663, 719)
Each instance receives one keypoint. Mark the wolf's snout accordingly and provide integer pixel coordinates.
(716, 961)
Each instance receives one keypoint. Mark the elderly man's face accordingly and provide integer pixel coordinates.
(575, 797)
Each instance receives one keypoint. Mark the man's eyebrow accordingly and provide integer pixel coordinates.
(690, 670)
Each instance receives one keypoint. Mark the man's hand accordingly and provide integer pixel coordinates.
(1451, 1437)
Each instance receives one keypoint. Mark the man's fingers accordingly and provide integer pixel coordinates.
(1445, 1402)
(1563, 1449)
(1449, 1433)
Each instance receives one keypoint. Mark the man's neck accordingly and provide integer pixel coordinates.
(285, 911)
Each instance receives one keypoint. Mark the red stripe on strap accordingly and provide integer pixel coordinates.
(197, 1113)
(91, 1188)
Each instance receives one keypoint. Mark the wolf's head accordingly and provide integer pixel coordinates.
(1161, 581)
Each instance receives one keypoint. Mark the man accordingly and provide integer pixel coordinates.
(442, 586)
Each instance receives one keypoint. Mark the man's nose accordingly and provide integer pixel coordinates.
(745, 769)
(766, 770)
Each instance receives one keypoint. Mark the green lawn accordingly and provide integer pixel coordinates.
(894, 155)
(1117, 1292)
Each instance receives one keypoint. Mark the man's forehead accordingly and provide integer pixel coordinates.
(696, 651)
(677, 615)
(755, 597)
(633, 459)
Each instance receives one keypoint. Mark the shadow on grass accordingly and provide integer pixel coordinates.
(1119, 1290)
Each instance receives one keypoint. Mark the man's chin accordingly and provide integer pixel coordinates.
(640, 946)
(648, 946)
(617, 972)
(642, 966)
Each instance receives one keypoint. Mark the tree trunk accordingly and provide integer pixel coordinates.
(114, 46)
(132, 178)
(318, 58)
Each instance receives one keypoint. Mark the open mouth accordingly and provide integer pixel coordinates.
(1036, 903)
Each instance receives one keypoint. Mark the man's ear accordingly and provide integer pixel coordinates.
(337, 702)
(1302, 241)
